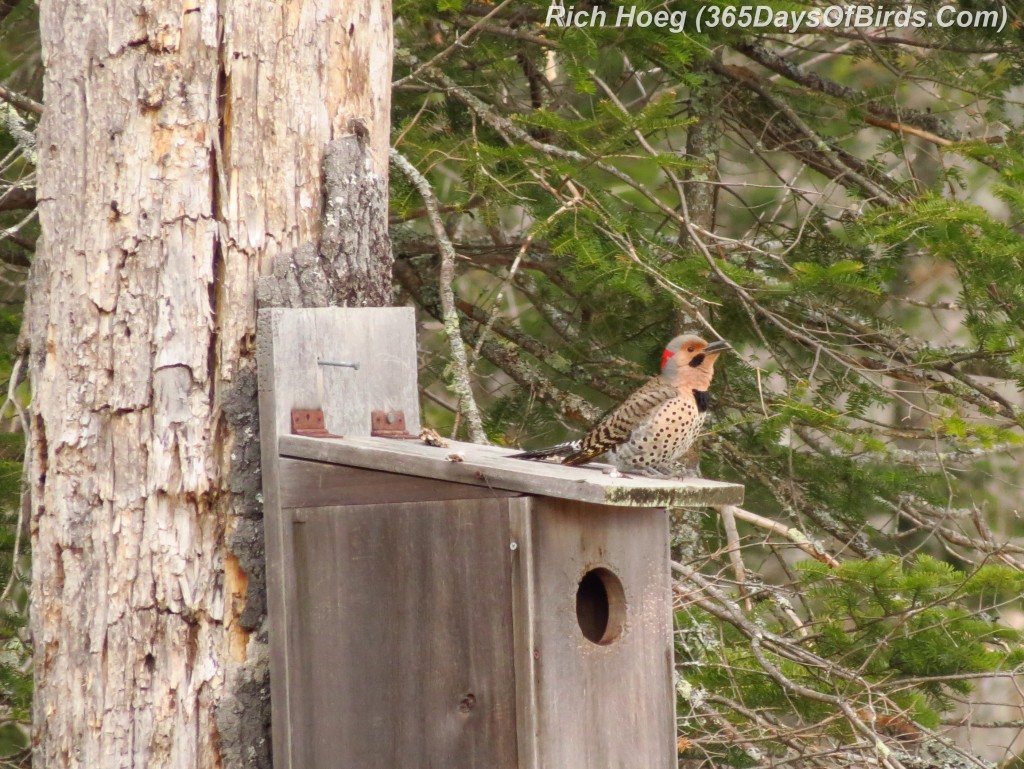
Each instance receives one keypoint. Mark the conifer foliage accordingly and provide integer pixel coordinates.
(19, 113)
(844, 205)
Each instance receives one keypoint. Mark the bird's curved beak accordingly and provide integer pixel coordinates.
(717, 346)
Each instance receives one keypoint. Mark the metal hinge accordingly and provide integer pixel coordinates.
(310, 423)
(388, 424)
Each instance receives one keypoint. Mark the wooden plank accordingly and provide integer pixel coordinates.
(289, 342)
(277, 533)
(524, 617)
(598, 705)
(320, 484)
(381, 339)
(405, 615)
(490, 466)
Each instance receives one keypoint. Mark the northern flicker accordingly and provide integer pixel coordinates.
(655, 426)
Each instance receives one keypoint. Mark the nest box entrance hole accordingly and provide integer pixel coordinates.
(601, 606)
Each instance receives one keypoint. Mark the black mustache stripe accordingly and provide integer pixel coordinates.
(697, 360)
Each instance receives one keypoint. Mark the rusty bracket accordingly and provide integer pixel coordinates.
(310, 422)
(388, 424)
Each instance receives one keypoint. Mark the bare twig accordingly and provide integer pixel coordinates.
(920, 124)
(514, 268)
(794, 535)
(732, 543)
(460, 41)
(460, 367)
(22, 102)
(507, 358)
(12, 399)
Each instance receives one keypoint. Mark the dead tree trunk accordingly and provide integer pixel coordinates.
(181, 150)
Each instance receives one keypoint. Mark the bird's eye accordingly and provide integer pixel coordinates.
(691, 348)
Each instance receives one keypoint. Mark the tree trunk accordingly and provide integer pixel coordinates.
(181, 149)
(703, 137)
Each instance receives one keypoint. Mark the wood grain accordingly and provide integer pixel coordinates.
(490, 466)
(278, 544)
(381, 339)
(586, 705)
(320, 484)
(181, 149)
(524, 613)
(407, 631)
(288, 345)
(405, 615)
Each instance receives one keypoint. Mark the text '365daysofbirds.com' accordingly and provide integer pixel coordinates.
(763, 17)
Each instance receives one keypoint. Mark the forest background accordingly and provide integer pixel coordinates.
(844, 205)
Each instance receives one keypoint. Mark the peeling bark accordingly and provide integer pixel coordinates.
(359, 257)
(351, 265)
(180, 151)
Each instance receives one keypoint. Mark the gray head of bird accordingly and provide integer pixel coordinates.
(689, 362)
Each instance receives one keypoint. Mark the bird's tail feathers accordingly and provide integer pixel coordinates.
(561, 450)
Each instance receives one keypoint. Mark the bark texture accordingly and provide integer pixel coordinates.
(702, 148)
(180, 151)
(351, 265)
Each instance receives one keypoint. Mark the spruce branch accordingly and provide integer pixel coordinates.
(460, 42)
(828, 358)
(505, 356)
(814, 149)
(514, 268)
(920, 124)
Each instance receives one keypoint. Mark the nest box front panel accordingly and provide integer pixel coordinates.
(402, 636)
(593, 627)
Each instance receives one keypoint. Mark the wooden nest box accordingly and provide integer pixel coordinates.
(450, 607)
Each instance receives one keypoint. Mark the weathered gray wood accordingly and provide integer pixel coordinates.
(278, 544)
(591, 705)
(524, 612)
(320, 484)
(489, 466)
(381, 339)
(405, 617)
(439, 627)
